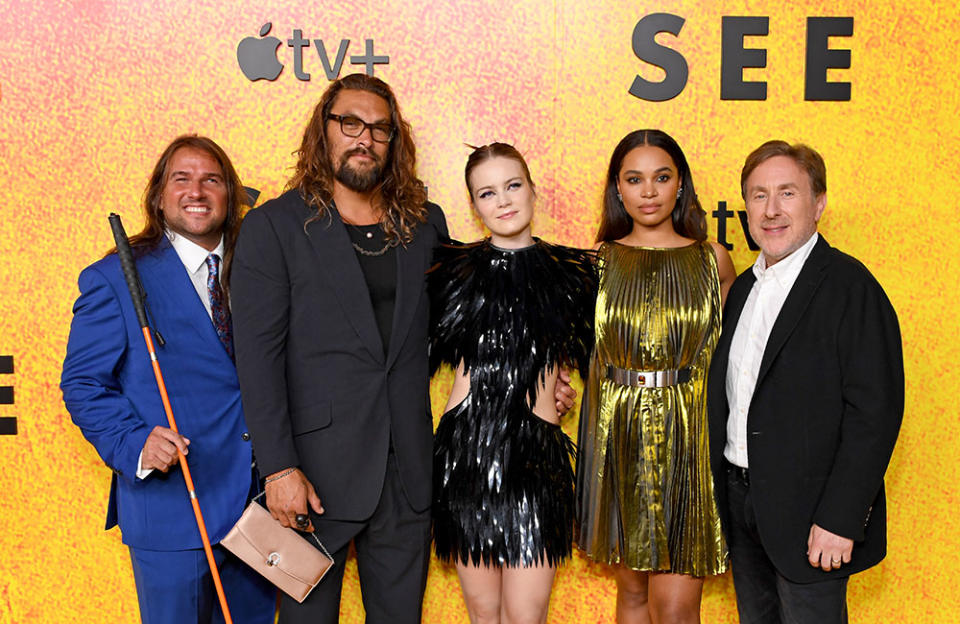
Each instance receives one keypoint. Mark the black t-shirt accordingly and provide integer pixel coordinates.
(380, 272)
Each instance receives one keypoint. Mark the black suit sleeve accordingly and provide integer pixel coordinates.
(436, 217)
(871, 363)
(260, 304)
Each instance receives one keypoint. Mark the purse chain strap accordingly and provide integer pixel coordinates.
(323, 548)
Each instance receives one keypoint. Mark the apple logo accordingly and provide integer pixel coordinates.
(258, 57)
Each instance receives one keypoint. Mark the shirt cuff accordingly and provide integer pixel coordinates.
(141, 473)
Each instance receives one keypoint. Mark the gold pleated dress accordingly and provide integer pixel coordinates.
(644, 486)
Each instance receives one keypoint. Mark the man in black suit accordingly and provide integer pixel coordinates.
(805, 398)
(330, 316)
(330, 322)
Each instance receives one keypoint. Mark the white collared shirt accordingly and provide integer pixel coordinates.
(759, 313)
(194, 259)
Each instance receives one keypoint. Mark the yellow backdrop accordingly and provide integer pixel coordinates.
(91, 92)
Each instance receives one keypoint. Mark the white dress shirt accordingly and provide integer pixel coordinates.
(194, 259)
(759, 313)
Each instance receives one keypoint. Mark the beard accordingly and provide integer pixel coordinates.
(359, 180)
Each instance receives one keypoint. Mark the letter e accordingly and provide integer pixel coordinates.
(820, 58)
(733, 58)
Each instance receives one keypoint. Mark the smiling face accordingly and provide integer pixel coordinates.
(503, 197)
(782, 208)
(194, 198)
(358, 162)
(648, 183)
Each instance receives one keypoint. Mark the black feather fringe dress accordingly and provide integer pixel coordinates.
(502, 476)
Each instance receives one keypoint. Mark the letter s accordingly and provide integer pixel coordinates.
(672, 62)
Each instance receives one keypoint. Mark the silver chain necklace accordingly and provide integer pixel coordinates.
(374, 254)
(368, 235)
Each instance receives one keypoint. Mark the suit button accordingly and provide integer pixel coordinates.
(245, 436)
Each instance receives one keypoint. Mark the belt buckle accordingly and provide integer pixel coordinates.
(646, 379)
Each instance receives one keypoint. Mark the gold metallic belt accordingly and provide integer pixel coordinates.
(647, 379)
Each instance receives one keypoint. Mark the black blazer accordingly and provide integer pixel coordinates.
(318, 392)
(824, 416)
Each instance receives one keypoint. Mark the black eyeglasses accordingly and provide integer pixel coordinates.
(354, 127)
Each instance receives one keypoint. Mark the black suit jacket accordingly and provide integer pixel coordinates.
(318, 391)
(824, 415)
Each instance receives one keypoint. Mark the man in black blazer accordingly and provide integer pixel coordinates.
(805, 398)
(330, 321)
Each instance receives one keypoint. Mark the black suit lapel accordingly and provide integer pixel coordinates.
(736, 299)
(410, 282)
(338, 260)
(796, 303)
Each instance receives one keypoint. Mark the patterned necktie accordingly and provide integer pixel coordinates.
(218, 307)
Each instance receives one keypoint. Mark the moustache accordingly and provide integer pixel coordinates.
(773, 223)
(360, 151)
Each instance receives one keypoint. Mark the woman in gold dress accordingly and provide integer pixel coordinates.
(644, 487)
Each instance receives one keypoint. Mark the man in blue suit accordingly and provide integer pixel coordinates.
(192, 209)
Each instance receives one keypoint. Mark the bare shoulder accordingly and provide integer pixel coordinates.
(720, 251)
(723, 256)
(725, 269)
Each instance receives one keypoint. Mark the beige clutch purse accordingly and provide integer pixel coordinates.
(280, 554)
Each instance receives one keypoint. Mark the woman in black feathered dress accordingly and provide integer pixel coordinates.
(507, 312)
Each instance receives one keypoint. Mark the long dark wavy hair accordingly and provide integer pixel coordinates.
(689, 218)
(149, 237)
(402, 193)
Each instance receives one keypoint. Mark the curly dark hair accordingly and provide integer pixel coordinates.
(403, 194)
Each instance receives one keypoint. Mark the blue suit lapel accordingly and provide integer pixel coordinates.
(171, 295)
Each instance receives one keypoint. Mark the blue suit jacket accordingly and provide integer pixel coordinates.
(110, 391)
